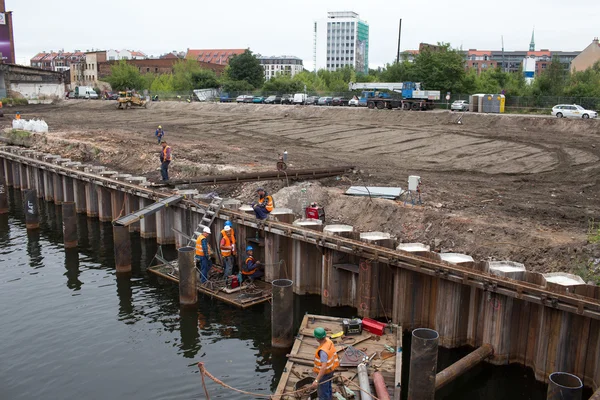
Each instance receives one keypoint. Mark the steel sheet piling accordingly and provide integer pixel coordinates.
(564, 386)
(32, 210)
(69, 224)
(188, 292)
(122, 245)
(282, 314)
(3, 196)
(423, 363)
(463, 365)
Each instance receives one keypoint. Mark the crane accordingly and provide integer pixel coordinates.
(413, 98)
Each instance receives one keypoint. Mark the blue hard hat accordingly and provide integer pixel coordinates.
(228, 223)
(249, 248)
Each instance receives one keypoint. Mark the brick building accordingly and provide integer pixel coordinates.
(154, 66)
(588, 57)
(213, 56)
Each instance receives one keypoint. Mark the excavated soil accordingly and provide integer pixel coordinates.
(495, 186)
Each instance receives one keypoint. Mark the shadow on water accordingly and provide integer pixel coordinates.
(234, 343)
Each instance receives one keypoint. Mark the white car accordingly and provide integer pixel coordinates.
(353, 102)
(572, 111)
(460, 105)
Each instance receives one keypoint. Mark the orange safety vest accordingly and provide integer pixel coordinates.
(199, 250)
(244, 272)
(332, 358)
(18, 116)
(269, 200)
(226, 252)
(165, 153)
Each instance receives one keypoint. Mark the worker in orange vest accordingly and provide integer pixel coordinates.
(252, 268)
(165, 159)
(227, 247)
(265, 204)
(203, 253)
(326, 362)
(18, 116)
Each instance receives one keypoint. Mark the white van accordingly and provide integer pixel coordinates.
(299, 98)
(85, 92)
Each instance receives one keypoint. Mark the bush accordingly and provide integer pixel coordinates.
(11, 101)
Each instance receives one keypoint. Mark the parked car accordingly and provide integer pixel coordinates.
(572, 111)
(71, 95)
(353, 102)
(112, 96)
(287, 99)
(312, 99)
(460, 105)
(325, 101)
(244, 98)
(273, 100)
(258, 99)
(299, 98)
(224, 98)
(339, 101)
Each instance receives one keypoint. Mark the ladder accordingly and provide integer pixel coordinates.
(210, 213)
(303, 202)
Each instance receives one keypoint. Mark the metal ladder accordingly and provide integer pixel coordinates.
(207, 219)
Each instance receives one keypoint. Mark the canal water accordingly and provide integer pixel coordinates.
(70, 328)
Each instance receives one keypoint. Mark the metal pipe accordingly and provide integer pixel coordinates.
(122, 245)
(463, 365)
(69, 224)
(363, 381)
(3, 196)
(188, 292)
(32, 210)
(423, 363)
(564, 386)
(380, 388)
(282, 314)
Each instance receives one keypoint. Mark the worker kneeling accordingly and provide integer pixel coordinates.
(265, 204)
(252, 268)
(203, 253)
(326, 361)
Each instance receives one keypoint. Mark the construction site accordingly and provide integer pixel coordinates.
(498, 250)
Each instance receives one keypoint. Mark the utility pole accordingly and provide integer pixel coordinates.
(399, 35)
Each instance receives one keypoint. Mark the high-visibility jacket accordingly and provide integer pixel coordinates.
(166, 153)
(202, 247)
(332, 359)
(249, 266)
(268, 203)
(227, 240)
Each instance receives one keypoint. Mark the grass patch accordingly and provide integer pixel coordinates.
(9, 101)
(19, 134)
(593, 232)
(589, 272)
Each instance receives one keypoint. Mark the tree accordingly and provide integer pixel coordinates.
(162, 83)
(440, 68)
(124, 76)
(283, 84)
(246, 67)
(182, 75)
(235, 86)
(553, 80)
(398, 72)
(204, 79)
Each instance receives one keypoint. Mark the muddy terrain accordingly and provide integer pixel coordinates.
(502, 187)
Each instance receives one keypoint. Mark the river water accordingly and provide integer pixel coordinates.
(72, 329)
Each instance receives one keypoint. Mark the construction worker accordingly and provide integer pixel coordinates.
(265, 204)
(326, 361)
(203, 253)
(159, 133)
(18, 116)
(252, 268)
(227, 247)
(165, 159)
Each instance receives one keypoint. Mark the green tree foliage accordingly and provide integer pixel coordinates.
(246, 67)
(441, 69)
(162, 83)
(230, 86)
(124, 76)
(584, 83)
(283, 84)
(553, 80)
(205, 79)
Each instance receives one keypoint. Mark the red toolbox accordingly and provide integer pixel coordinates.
(373, 326)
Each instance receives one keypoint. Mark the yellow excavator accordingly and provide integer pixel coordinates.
(130, 99)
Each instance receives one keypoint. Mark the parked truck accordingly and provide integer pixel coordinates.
(85, 92)
(412, 97)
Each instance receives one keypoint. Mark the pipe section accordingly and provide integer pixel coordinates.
(423, 363)
(122, 245)
(188, 292)
(69, 224)
(282, 314)
(32, 210)
(363, 381)
(380, 388)
(564, 386)
(463, 365)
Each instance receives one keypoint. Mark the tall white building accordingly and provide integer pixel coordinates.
(283, 65)
(347, 41)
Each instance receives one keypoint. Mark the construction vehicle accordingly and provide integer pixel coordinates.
(413, 98)
(130, 99)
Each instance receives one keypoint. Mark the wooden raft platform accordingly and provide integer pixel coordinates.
(300, 360)
(242, 298)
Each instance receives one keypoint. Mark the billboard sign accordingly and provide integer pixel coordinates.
(5, 44)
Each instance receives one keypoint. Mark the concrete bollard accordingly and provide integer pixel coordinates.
(3, 196)
(564, 386)
(69, 224)
(188, 291)
(423, 364)
(122, 244)
(282, 314)
(32, 210)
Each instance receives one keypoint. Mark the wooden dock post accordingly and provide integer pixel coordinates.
(188, 293)
(122, 245)
(32, 210)
(307, 260)
(69, 225)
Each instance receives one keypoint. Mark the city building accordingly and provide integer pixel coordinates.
(587, 58)
(90, 66)
(214, 56)
(56, 61)
(7, 40)
(347, 41)
(154, 66)
(125, 55)
(283, 65)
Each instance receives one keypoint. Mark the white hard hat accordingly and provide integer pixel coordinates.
(227, 228)
(206, 230)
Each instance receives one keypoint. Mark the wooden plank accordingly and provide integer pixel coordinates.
(398, 372)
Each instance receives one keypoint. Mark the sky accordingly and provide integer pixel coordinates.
(286, 28)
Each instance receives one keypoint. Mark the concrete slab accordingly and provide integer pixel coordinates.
(456, 258)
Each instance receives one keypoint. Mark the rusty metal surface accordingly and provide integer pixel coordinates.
(122, 246)
(69, 225)
(463, 365)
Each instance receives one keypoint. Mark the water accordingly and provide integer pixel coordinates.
(70, 328)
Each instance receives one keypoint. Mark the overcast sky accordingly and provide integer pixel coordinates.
(284, 27)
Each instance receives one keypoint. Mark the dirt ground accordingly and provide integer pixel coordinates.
(496, 186)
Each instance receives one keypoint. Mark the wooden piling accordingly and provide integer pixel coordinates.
(188, 293)
(104, 204)
(122, 246)
(32, 211)
(69, 225)
(148, 223)
(57, 185)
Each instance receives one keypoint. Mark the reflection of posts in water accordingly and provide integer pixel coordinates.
(188, 328)
(72, 269)
(69, 224)
(4, 230)
(34, 249)
(122, 246)
(3, 196)
(31, 209)
(125, 294)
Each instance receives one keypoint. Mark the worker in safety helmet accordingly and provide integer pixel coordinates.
(252, 269)
(326, 361)
(227, 246)
(203, 253)
(159, 133)
(265, 204)
(165, 156)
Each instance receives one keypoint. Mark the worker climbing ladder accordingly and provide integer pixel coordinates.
(210, 213)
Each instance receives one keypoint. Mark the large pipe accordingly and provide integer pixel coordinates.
(423, 363)
(363, 382)
(282, 314)
(3, 196)
(463, 365)
(69, 224)
(188, 292)
(380, 388)
(122, 245)
(564, 386)
(32, 210)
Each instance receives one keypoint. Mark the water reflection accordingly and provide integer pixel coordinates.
(188, 329)
(125, 293)
(4, 230)
(72, 269)
(34, 249)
